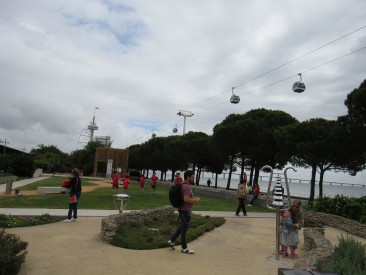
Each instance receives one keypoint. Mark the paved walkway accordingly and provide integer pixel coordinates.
(20, 183)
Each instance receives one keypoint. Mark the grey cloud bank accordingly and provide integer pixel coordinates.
(141, 62)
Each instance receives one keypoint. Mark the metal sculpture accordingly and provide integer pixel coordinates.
(277, 202)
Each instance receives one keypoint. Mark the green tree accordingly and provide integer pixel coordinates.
(355, 125)
(319, 145)
(263, 147)
(196, 150)
(50, 158)
(84, 158)
(226, 141)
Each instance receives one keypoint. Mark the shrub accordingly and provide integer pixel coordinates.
(12, 253)
(23, 166)
(9, 221)
(351, 208)
(348, 258)
(154, 234)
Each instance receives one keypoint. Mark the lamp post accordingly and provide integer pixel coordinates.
(184, 114)
(23, 149)
(5, 142)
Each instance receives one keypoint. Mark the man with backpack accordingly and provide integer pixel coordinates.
(185, 212)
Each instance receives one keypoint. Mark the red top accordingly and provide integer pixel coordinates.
(154, 180)
(142, 181)
(178, 180)
(256, 190)
(187, 191)
(115, 178)
(126, 181)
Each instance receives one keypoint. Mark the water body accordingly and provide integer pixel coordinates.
(299, 182)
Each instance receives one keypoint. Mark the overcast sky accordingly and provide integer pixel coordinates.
(140, 62)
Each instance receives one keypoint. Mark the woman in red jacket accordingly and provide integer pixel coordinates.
(256, 192)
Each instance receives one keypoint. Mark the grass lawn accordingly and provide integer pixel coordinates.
(102, 198)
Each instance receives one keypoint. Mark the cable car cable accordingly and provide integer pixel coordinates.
(287, 78)
(280, 66)
(284, 64)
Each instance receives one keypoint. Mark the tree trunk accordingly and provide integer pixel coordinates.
(312, 183)
(173, 173)
(198, 176)
(230, 171)
(252, 169)
(216, 177)
(256, 174)
(242, 168)
(321, 178)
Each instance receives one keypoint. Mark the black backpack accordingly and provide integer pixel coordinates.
(175, 195)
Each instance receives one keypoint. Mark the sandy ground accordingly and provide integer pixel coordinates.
(240, 246)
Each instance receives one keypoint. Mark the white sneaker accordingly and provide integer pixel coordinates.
(187, 250)
(67, 220)
(74, 220)
(171, 244)
(249, 205)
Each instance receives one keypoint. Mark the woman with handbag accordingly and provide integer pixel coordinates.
(74, 195)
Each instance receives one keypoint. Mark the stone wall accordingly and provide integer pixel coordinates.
(220, 193)
(341, 223)
(110, 223)
(316, 246)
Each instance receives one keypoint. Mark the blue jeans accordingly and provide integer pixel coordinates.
(73, 207)
(185, 219)
(254, 198)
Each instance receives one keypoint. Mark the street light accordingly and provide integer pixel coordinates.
(184, 114)
(5, 142)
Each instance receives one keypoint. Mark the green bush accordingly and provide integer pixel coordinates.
(154, 234)
(12, 253)
(348, 258)
(23, 165)
(351, 208)
(9, 221)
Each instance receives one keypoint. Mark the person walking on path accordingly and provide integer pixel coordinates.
(241, 195)
(115, 183)
(256, 192)
(74, 195)
(208, 182)
(185, 213)
(154, 181)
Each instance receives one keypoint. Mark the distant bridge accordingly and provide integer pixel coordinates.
(300, 181)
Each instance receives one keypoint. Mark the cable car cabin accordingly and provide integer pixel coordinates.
(175, 130)
(235, 99)
(298, 87)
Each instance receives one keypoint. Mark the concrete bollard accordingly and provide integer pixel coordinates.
(9, 186)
